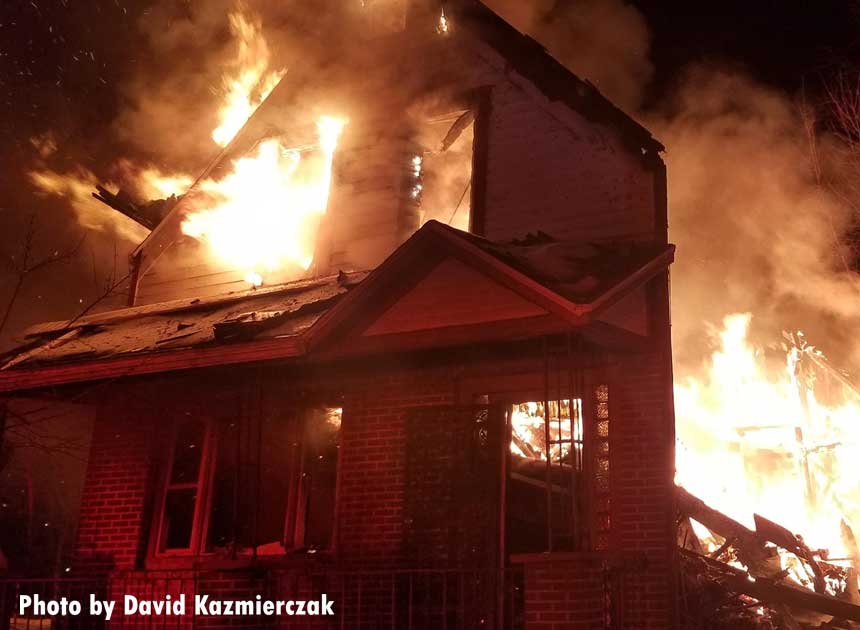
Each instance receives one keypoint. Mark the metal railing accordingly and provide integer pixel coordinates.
(410, 599)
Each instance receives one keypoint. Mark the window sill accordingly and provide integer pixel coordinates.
(292, 560)
(572, 558)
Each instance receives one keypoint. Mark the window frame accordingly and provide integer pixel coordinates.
(477, 100)
(530, 385)
(204, 491)
(295, 517)
(197, 550)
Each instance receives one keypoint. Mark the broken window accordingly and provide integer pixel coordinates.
(313, 504)
(250, 485)
(443, 171)
(549, 483)
(183, 489)
(545, 474)
(257, 487)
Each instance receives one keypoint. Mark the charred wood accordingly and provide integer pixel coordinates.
(148, 214)
(767, 592)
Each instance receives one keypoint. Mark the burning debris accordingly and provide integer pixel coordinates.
(443, 26)
(148, 214)
(767, 577)
(782, 436)
(782, 441)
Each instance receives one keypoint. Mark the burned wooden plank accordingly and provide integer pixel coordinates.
(457, 129)
(773, 594)
(779, 535)
(716, 521)
(751, 546)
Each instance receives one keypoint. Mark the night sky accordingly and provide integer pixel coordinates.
(61, 62)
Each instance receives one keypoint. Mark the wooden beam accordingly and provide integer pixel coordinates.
(714, 520)
(483, 108)
(770, 593)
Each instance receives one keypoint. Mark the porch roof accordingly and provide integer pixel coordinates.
(569, 282)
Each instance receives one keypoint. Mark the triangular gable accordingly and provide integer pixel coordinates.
(452, 294)
(630, 313)
(444, 287)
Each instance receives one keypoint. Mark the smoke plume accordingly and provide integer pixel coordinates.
(603, 41)
(755, 230)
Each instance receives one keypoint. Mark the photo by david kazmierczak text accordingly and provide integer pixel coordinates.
(199, 606)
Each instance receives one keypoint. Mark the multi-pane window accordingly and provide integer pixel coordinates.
(183, 489)
(559, 464)
(257, 487)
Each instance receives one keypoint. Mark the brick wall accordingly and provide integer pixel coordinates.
(562, 175)
(642, 443)
(113, 522)
(566, 591)
(370, 527)
(550, 169)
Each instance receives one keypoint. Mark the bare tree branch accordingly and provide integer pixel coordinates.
(25, 266)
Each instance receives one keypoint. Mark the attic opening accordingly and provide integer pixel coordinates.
(443, 169)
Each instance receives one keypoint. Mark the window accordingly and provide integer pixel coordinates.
(313, 496)
(558, 487)
(546, 467)
(183, 489)
(600, 439)
(259, 487)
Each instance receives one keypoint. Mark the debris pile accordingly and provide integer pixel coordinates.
(766, 578)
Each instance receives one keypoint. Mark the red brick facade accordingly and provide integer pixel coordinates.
(372, 486)
(634, 578)
(112, 525)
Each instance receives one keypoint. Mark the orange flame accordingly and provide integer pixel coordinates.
(264, 214)
(750, 441)
(248, 85)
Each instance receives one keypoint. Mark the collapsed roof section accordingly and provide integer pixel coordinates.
(442, 287)
(759, 578)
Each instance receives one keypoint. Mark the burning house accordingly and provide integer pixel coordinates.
(405, 341)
